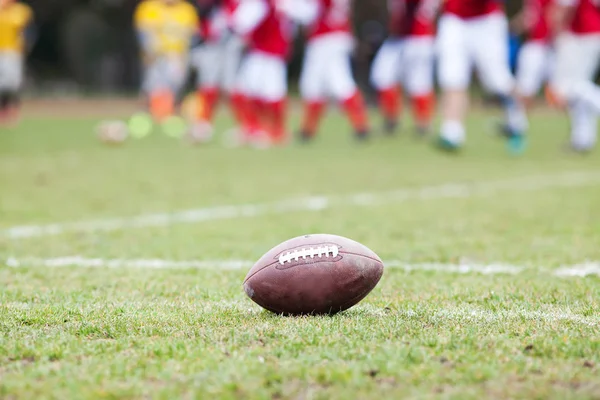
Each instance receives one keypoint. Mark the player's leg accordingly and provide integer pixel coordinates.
(577, 59)
(342, 86)
(312, 90)
(176, 68)
(273, 96)
(141, 123)
(248, 103)
(161, 99)
(418, 58)
(11, 79)
(454, 74)
(385, 74)
(532, 70)
(205, 59)
(232, 57)
(492, 62)
(4, 92)
(208, 63)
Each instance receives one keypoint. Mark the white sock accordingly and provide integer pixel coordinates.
(590, 94)
(583, 125)
(515, 115)
(453, 131)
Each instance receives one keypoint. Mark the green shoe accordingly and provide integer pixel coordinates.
(174, 126)
(444, 144)
(516, 144)
(140, 125)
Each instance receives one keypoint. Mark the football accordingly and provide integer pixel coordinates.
(313, 274)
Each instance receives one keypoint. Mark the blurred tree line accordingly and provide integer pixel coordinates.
(91, 45)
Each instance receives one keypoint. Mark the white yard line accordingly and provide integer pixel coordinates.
(577, 270)
(146, 263)
(459, 268)
(555, 315)
(462, 313)
(311, 204)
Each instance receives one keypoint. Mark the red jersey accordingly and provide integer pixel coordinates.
(538, 10)
(217, 20)
(333, 17)
(273, 34)
(472, 8)
(412, 17)
(586, 19)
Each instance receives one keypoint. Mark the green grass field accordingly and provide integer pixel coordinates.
(492, 289)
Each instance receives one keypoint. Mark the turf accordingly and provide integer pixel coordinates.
(76, 332)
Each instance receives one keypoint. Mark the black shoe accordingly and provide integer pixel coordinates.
(362, 135)
(390, 127)
(305, 137)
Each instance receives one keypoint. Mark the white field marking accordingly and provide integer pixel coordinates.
(579, 270)
(149, 263)
(567, 271)
(470, 313)
(463, 313)
(314, 203)
(460, 268)
(555, 315)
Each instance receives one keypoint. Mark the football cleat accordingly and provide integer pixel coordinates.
(140, 125)
(305, 137)
(112, 132)
(200, 132)
(515, 141)
(575, 149)
(516, 144)
(390, 126)
(444, 144)
(362, 135)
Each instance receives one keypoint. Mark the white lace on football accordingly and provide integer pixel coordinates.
(312, 252)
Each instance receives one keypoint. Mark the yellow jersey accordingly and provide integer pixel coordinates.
(14, 18)
(169, 27)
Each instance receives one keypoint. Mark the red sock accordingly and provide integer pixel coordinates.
(423, 109)
(249, 113)
(313, 110)
(276, 113)
(356, 111)
(390, 103)
(208, 98)
(162, 104)
(237, 101)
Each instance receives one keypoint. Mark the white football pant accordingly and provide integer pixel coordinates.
(534, 67)
(408, 61)
(165, 73)
(11, 71)
(326, 71)
(479, 43)
(263, 76)
(578, 58)
(218, 63)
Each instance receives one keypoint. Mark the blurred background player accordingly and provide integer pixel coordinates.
(217, 61)
(262, 79)
(16, 37)
(165, 30)
(406, 60)
(536, 58)
(473, 33)
(576, 24)
(327, 71)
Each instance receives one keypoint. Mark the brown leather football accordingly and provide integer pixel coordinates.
(313, 274)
